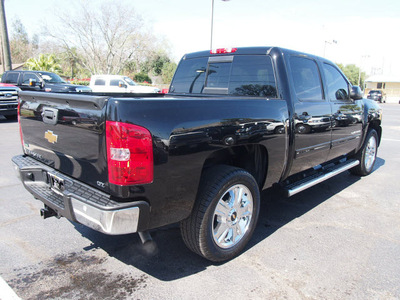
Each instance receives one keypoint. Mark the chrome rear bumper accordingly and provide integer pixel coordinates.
(80, 202)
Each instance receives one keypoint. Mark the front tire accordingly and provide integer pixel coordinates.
(225, 214)
(367, 155)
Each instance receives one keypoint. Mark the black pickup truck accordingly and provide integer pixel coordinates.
(41, 81)
(235, 121)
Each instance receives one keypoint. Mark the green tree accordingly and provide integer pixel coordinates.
(168, 71)
(20, 46)
(45, 62)
(158, 63)
(353, 74)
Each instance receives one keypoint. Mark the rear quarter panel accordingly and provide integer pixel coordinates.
(187, 131)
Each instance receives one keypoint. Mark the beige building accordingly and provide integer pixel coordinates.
(389, 85)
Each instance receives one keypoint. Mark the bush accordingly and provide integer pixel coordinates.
(142, 77)
(79, 82)
(83, 81)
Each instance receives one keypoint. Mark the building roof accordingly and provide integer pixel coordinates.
(383, 78)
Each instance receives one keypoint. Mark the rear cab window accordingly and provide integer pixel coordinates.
(240, 75)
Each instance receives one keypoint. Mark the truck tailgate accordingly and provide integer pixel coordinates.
(67, 133)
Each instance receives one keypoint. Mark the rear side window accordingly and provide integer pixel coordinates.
(12, 77)
(100, 82)
(306, 78)
(241, 75)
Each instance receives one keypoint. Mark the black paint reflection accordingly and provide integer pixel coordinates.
(224, 133)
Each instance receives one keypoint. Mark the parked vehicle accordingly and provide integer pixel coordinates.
(8, 100)
(200, 154)
(118, 84)
(376, 95)
(41, 81)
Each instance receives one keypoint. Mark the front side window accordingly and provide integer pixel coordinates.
(28, 76)
(306, 78)
(115, 82)
(338, 88)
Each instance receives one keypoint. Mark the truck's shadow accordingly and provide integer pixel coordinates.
(168, 258)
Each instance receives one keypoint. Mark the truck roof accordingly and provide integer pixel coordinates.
(262, 50)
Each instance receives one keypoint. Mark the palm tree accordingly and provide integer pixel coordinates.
(45, 62)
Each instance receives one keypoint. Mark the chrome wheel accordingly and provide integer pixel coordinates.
(370, 153)
(232, 216)
(224, 215)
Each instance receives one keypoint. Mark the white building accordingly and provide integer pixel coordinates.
(388, 84)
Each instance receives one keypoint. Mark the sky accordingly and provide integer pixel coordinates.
(361, 32)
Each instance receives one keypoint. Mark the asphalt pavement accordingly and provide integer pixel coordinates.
(337, 240)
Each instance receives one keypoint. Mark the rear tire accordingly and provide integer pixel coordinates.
(367, 155)
(225, 214)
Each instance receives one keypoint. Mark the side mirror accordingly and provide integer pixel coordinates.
(32, 82)
(121, 84)
(355, 93)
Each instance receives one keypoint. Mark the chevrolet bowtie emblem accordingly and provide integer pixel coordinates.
(50, 136)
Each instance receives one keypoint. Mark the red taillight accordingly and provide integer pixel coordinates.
(129, 154)
(223, 50)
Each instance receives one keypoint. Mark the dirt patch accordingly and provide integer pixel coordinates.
(74, 276)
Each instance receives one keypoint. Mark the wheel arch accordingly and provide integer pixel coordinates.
(376, 124)
(251, 157)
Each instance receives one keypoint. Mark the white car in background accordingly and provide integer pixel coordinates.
(118, 84)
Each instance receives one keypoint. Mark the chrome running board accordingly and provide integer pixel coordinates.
(310, 181)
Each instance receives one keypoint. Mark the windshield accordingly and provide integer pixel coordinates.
(129, 81)
(52, 78)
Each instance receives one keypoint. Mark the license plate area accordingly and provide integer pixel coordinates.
(56, 183)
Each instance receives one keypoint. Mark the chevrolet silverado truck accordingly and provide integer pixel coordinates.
(231, 125)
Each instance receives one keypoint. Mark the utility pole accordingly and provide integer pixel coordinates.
(212, 22)
(4, 39)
